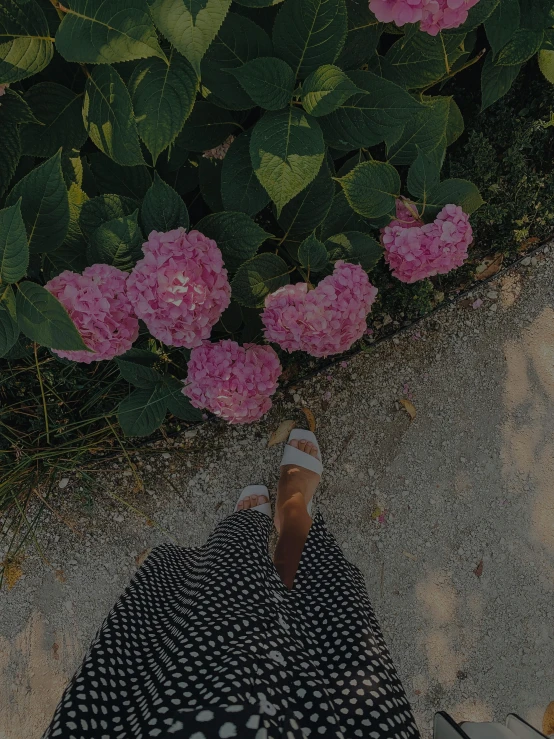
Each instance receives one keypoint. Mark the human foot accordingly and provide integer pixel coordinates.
(296, 484)
(251, 502)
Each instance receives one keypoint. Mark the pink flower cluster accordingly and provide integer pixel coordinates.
(415, 251)
(323, 321)
(219, 152)
(435, 15)
(180, 287)
(100, 309)
(233, 382)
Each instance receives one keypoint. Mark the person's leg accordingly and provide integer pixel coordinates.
(292, 520)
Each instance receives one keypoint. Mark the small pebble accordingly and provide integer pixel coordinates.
(492, 295)
(526, 262)
(63, 483)
(166, 455)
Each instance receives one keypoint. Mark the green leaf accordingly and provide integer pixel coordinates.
(326, 89)
(240, 188)
(26, 46)
(370, 116)
(190, 25)
(522, 46)
(457, 191)
(97, 211)
(423, 176)
(9, 330)
(371, 188)
(496, 81)
(162, 208)
(258, 277)
(163, 95)
(355, 247)
(14, 250)
(110, 177)
(44, 205)
(209, 177)
(236, 234)
(546, 64)
(60, 121)
(423, 59)
(141, 412)
(108, 116)
(10, 153)
(15, 109)
(258, 3)
(308, 209)
(117, 242)
(341, 218)
(309, 33)
(364, 32)
(7, 301)
(139, 374)
(287, 150)
(501, 25)
(181, 407)
(431, 130)
(207, 127)
(537, 14)
(238, 41)
(476, 16)
(312, 254)
(42, 318)
(268, 81)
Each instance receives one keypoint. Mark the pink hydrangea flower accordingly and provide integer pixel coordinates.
(180, 287)
(218, 152)
(327, 320)
(234, 382)
(435, 15)
(415, 252)
(3, 88)
(98, 305)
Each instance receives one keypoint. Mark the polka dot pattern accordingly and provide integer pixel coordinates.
(208, 642)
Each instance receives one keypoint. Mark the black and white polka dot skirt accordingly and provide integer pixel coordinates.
(208, 642)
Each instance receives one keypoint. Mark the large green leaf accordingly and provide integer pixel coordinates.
(60, 120)
(364, 32)
(108, 116)
(431, 129)
(117, 242)
(355, 247)
(268, 81)
(26, 44)
(457, 191)
(501, 25)
(162, 208)
(209, 178)
(537, 14)
(190, 25)
(309, 33)
(44, 205)
(371, 116)
(341, 218)
(180, 406)
(15, 109)
(236, 234)
(287, 150)
(326, 89)
(97, 211)
(139, 370)
(111, 177)
(312, 254)
(14, 249)
(207, 127)
(240, 188)
(496, 80)
(9, 330)
(141, 412)
(163, 94)
(308, 209)
(42, 318)
(93, 32)
(523, 44)
(371, 188)
(423, 59)
(423, 176)
(10, 153)
(546, 65)
(258, 277)
(239, 40)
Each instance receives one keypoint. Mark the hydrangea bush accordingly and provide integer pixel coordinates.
(190, 189)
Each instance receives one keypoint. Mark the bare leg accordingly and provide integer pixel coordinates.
(292, 520)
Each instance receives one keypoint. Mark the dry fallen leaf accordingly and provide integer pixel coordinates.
(139, 559)
(310, 418)
(478, 571)
(281, 433)
(531, 241)
(60, 576)
(409, 407)
(55, 649)
(489, 266)
(12, 571)
(410, 555)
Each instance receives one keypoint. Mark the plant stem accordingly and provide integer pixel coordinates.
(454, 72)
(43, 396)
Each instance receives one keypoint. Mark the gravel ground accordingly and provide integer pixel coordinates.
(449, 516)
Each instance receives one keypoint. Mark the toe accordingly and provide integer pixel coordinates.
(302, 444)
(240, 505)
(262, 499)
(254, 500)
(313, 451)
(294, 443)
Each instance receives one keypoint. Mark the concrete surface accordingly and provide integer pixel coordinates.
(450, 517)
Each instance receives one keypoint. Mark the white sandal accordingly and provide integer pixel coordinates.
(255, 490)
(291, 455)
